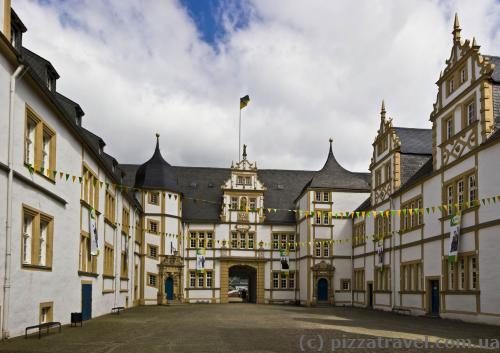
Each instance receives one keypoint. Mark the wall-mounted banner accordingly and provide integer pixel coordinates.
(94, 240)
(285, 260)
(454, 237)
(379, 249)
(200, 260)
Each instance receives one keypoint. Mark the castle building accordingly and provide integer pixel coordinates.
(84, 233)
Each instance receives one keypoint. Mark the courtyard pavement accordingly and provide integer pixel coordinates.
(256, 328)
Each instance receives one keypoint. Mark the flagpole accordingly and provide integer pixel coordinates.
(239, 137)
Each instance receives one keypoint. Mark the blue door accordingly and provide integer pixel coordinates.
(169, 288)
(322, 290)
(434, 297)
(86, 301)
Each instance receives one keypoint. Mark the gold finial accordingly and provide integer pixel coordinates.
(456, 29)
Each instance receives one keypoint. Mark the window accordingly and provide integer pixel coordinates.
(242, 240)
(470, 113)
(359, 234)
(326, 196)
(90, 190)
(29, 142)
(462, 274)
(345, 284)
(473, 272)
(318, 249)
(46, 312)
(412, 215)
(387, 170)
(382, 279)
(87, 262)
(123, 256)
(39, 144)
(450, 198)
(153, 251)
(326, 249)
(192, 279)
(36, 238)
(326, 219)
(318, 196)
(291, 242)
(234, 240)
(276, 241)
(318, 217)
(460, 193)
(378, 177)
(451, 85)
(109, 207)
(472, 187)
(283, 280)
(209, 279)
(154, 198)
(291, 280)
(125, 220)
(462, 76)
(253, 204)
(109, 259)
(153, 226)
(448, 129)
(210, 240)
(234, 203)
(248, 180)
(359, 279)
(201, 239)
(201, 279)
(250, 241)
(152, 280)
(411, 277)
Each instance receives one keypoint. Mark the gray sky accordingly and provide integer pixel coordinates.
(313, 70)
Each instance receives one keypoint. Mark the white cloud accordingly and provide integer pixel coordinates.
(313, 69)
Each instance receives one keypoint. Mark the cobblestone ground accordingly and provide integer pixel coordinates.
(256, 328)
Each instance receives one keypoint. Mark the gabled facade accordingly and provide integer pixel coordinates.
(175, 234)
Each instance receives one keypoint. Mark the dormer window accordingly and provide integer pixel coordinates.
(463, 78)
(17, 29)
(451, 84)
(51, 83)
(248, 180)
(239, 180)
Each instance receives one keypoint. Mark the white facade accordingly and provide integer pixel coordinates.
(148, 248)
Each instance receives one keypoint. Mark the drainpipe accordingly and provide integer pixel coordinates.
(8, 221)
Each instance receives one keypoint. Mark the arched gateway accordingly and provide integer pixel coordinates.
(253, 271)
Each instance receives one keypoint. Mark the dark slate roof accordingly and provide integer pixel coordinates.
(334, 176)
(156, 173)
(365, 205)
(415, 141)
(495, 76)
(39, 64)
(424, 170)
(73, 109)
(201, 189)
(410, 164)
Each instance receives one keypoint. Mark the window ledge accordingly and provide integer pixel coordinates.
(108, 276)
(49, 179)
(88, 274)
(411, 292)
(124, 278)
(383, 291)
(110, 223)
(420, 226)
(123, 290)
(358, 291)
(108, 291)
(461, 292)
(36, 267)
(86, 204)
(323, 225)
